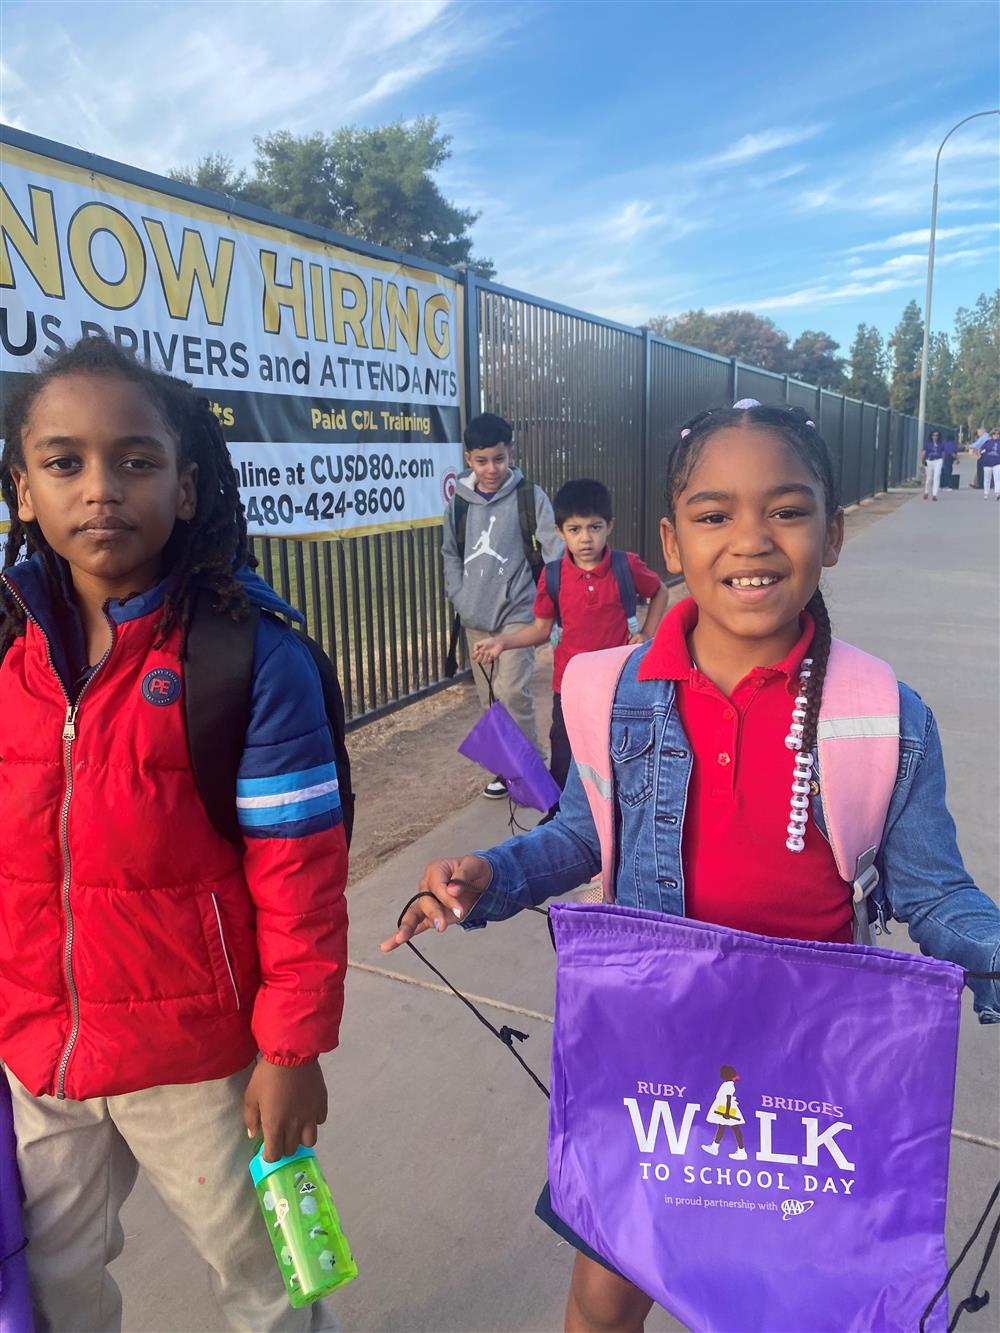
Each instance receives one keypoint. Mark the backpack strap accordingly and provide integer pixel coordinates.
(588, 693)
(528, 519)
(622, 571)
(218, 687)
(857, 738)
(553, 577)
(461, 523)
(218, 676)
(333, 702)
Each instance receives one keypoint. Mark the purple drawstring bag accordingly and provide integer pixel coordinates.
(15, 1301)
(754, 1131)
(499, 745)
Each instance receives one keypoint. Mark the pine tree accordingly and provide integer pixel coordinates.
(867, 360)
(905, 344)
(975, 392)
(940, 369)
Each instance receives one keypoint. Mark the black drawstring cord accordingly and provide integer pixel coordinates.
(507, 1035)
(10, 1254)
(975, 1300)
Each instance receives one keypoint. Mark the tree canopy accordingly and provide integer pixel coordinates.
(867, 362)
(757, 341)
(975, 389)
(813, 359)
(905, 345)
(376, 184)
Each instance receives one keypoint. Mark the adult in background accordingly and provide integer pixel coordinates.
(950, 452)
(976, 448)
(933, 461)
(990, 456)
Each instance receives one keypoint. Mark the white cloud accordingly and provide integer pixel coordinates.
(917, 263)
(899, 272)
(817, 296)
(922, 236)
(752, 146)
(631, 220)
(896, 179)
(243, 69)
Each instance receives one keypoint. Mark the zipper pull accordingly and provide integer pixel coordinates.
(69, 726)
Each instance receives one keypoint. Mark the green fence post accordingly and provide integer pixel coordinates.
(473, 400)
(645, 488)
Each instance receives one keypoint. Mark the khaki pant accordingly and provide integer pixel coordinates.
(79, 1162)
(512, 675)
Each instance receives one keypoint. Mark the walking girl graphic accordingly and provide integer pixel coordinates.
(726, 1114)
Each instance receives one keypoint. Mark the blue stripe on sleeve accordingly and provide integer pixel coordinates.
(300, 829)
(284, 783)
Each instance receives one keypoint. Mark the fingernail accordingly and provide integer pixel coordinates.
(458, 912)
(438, 923)
(249, 1133)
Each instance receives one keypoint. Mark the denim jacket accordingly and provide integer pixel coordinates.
(922, 879)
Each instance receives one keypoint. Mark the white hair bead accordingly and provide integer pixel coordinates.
(798, 815)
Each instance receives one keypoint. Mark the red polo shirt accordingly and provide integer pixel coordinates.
(737, 870)
(590, 603)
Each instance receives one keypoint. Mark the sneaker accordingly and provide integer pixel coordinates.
(740, 1155)
(712, 1148)
(495, 790)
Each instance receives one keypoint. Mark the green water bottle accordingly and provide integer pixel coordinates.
(312, 1252)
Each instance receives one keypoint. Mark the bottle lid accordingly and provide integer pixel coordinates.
(260, 1168)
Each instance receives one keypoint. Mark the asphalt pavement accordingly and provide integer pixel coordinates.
(435, 1148)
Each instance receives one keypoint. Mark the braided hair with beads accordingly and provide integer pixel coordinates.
(203, 553)
(793, 426)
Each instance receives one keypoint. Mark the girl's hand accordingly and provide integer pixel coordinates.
(456, 885)
(487, 650)
(638, 637)
(285, 1103)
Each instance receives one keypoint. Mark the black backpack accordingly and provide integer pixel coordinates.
(622, 571)
(217, 686)
(528, 519)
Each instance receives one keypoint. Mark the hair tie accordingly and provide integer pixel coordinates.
(685, 432)
(810, 423)
(744, 404)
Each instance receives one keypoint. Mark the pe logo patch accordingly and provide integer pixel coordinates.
(161, 687)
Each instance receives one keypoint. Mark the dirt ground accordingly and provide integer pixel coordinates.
(407, 772)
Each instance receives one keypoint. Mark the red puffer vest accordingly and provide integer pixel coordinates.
(129, 939)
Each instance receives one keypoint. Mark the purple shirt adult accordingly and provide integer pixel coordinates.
(934, 449)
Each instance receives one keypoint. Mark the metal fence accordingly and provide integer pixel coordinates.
(586, 397)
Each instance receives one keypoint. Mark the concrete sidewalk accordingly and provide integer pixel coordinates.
(435, 1147)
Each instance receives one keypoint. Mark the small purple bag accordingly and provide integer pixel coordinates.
(15, 1302)
(499, 745)
(754, 1131)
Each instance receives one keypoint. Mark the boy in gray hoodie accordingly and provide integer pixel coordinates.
(499, 531)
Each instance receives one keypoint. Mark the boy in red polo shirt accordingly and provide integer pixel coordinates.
(590, 604)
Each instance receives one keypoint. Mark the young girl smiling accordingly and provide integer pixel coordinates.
(712, 737)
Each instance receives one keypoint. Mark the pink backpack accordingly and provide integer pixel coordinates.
(857, 740)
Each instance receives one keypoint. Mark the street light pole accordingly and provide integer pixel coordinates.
(922, 409)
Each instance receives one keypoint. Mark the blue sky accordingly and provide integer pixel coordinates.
(628, 159)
